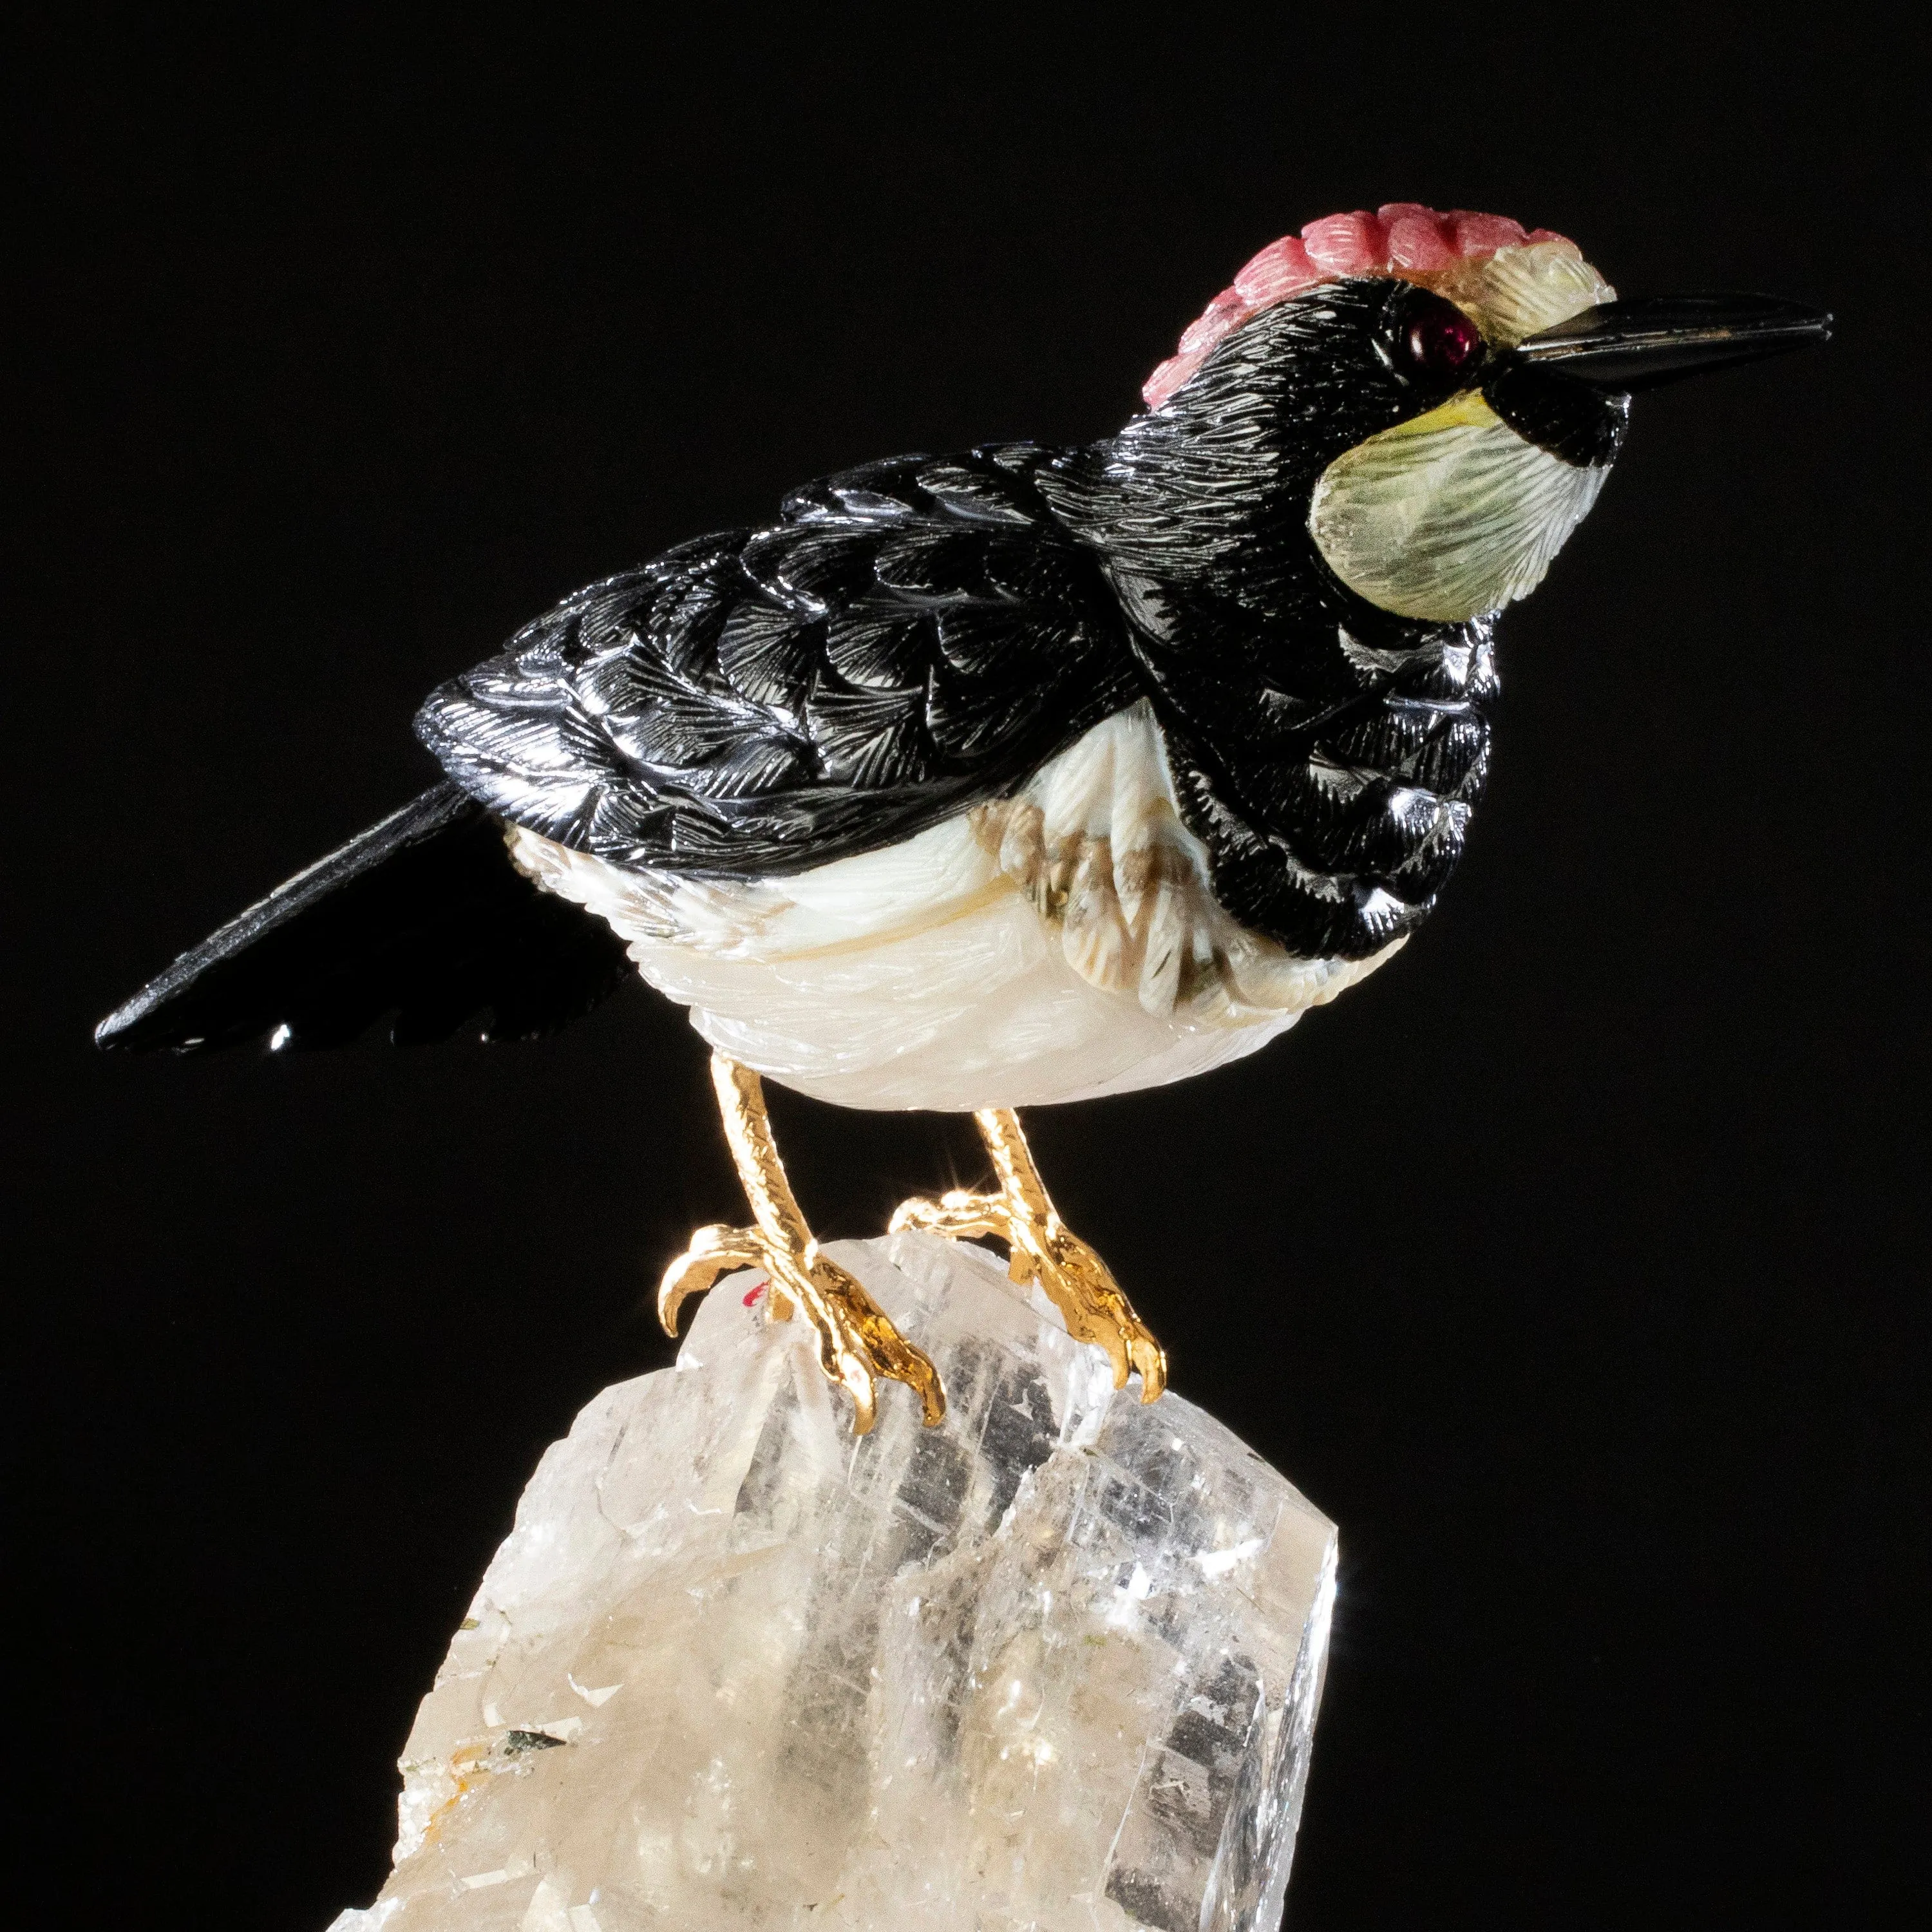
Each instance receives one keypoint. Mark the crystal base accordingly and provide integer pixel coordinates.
(1053, 1664)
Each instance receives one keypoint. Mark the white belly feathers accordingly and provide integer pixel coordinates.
(1055, 946)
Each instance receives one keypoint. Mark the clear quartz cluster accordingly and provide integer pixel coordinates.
(1053, 1664)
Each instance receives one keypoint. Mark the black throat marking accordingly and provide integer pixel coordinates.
(1329, 754)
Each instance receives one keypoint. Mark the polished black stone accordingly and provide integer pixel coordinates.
(916, 635)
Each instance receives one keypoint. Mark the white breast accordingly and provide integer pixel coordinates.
(1056, 946)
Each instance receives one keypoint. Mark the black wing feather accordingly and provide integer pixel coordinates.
(422, 917)
(909, 638)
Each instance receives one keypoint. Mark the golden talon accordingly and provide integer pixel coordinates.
(857, 1343)
(1041, 1248)
(714, 1251)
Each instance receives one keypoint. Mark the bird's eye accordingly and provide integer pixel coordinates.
(1440, 340)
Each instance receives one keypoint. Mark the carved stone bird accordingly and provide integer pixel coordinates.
(979, 781)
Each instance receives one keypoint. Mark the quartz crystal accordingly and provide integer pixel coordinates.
(1053, 1664)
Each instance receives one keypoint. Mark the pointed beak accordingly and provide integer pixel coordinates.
(1620, 347)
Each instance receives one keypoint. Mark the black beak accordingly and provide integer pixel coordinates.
(1620, 347)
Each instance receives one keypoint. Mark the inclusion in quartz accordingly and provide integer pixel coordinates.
(1053, 1664)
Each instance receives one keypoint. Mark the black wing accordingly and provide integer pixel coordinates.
(422, 917)
(910, 637)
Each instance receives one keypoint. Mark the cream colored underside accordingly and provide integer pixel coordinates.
(1056, 946)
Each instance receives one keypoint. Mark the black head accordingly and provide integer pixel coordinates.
(1434, 446)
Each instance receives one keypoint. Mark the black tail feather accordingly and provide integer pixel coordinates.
(422, 918)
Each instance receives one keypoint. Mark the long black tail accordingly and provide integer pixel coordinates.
(422, 918)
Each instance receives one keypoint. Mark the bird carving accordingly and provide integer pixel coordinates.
(1017, 776)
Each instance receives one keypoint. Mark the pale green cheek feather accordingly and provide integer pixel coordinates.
(1449, 516)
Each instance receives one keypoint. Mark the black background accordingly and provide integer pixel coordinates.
(1572, 1264)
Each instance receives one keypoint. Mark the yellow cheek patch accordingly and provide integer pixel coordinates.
(1448, 516)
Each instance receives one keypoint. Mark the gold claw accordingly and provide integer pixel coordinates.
(857, 1342)
(1041, 1248)
(958, 1216)
(714, 1251)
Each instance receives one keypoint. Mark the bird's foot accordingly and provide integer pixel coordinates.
(1041, 1248)
(857, 1342)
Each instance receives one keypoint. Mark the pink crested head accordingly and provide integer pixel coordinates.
(1401, 239)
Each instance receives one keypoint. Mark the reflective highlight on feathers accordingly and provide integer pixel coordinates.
(908, 637)
(1327, 752)
(1010, 775)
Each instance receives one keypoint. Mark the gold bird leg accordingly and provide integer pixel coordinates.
(856, 1343)
(1042, 1248)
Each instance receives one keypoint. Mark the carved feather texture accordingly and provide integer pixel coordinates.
(908, 638)
(1449, 516)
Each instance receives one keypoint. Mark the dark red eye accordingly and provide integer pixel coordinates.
(1443, 341)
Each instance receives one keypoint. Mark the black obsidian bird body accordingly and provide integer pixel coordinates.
(906, 639)
(915, 638)
(1017, 775)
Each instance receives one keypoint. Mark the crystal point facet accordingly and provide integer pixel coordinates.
(1053, 1664)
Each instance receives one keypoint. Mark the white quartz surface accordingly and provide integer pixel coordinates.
(1052, 1665)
